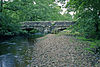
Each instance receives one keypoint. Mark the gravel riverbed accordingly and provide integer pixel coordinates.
(61, 51)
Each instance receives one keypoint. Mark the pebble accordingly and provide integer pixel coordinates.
(60, 51)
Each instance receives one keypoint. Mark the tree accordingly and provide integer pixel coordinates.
(87, 16)
(17, 11)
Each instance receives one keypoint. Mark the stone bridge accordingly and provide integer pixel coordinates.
(46, 26)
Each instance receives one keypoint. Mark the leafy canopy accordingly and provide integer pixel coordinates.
(17, 11)
(87, 16)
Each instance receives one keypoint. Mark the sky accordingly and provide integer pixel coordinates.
(6, 0)
(63, 5)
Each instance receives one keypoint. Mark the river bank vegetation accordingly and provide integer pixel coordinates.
(16, 11)
(87, 15)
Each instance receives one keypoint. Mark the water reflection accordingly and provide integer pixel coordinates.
(20, 47)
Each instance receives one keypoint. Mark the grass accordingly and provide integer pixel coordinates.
(69, 32)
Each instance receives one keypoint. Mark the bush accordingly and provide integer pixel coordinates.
(7, 26)
(55, 31)
(94, 45)
(34, 31)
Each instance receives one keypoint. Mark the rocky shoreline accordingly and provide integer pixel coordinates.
(61, 51)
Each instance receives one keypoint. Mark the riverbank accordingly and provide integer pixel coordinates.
(61, 51)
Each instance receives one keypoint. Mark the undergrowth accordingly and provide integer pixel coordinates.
(94, 44)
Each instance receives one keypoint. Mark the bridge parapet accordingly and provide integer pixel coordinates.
(39, 23)
(46, 25)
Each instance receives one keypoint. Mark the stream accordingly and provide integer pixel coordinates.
(16, 51)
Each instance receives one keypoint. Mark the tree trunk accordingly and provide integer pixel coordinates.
(97, 22)
(1, 6)
(97, 26)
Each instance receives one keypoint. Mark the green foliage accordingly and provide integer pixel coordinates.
(94, 44)
(23, 32)
(87, 21)
(27, 10)
(7, 27)
(87, 16)
(69, 31)
(55, 31)
(34, 31)
(36, 10)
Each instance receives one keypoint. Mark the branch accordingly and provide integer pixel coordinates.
(11, 9)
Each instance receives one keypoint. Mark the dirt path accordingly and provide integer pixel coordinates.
(60, 51)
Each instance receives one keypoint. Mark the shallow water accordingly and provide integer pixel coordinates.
(16, 51)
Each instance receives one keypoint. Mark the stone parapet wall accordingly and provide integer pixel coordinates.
(46, 25)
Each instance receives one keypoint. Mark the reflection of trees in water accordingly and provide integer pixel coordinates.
(31, 41)
(21, 47)
(25, 55)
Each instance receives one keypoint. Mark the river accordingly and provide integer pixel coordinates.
(16, 51)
